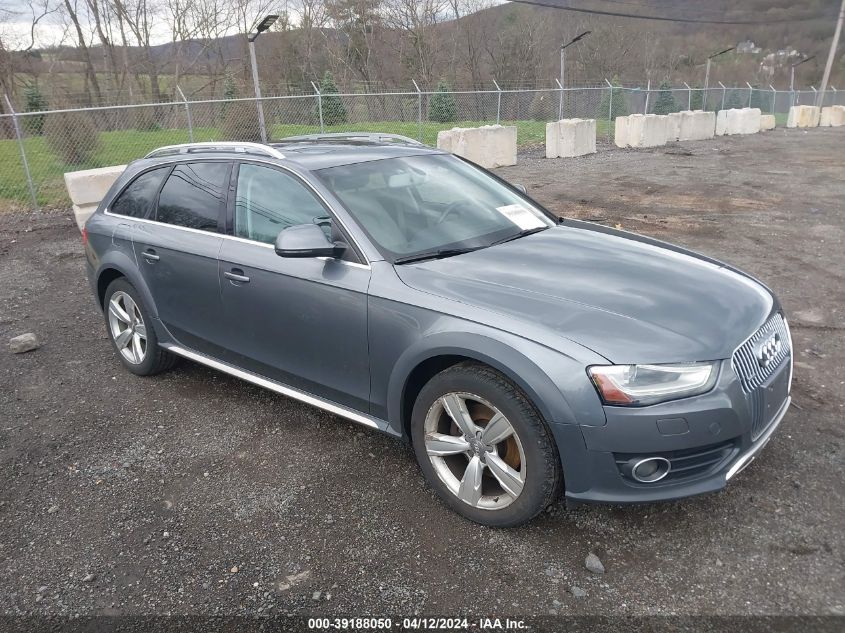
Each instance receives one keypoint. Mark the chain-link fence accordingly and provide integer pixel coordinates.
(37, 148)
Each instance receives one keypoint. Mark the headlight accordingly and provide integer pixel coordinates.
(649, 384)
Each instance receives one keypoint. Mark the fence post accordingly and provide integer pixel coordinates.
(419, 111)
(18, 134)
(689, 96)
(750, 93)
(774, 97)
(609, 106)
(724, 93)
(187, 114)
(815, 94)
(560, 101)
(498, 103)
(647, 93)
(319, 106)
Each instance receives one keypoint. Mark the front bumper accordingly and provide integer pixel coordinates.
(708, 439)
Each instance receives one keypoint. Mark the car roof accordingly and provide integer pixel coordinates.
(311, 153)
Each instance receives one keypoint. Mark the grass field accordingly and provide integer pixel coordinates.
(119, 147)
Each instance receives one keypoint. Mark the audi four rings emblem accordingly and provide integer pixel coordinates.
(768, 350)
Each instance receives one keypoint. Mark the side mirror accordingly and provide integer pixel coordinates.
(521, 188)
(307, 240)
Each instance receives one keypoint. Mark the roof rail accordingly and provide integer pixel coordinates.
(221, 146)
(372, 137)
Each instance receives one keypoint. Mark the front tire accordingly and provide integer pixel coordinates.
(131, 332)
(483, 446)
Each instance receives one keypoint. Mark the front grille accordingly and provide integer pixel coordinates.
(687, 464)
(745, 361)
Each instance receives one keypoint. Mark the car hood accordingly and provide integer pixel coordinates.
(626, 297)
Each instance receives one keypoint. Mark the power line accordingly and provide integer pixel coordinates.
(556, 4)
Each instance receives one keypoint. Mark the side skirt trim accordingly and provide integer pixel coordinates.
(290, 392)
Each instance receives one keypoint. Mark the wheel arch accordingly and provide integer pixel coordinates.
(117, 264)
(422, 362)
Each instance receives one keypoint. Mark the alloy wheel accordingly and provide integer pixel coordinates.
(475, 451)
(127, 327)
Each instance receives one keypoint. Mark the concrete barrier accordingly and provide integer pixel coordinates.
(832, 116)
(87, 188)
(767, 122)
(620, 131)
(488, 146)
(697, 125)
(803, 116)
(570, 137)
(674, 129)
(738, 121)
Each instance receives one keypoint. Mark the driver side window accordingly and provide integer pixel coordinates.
(269, 201)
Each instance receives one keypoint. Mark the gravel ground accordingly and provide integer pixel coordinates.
(194, 493)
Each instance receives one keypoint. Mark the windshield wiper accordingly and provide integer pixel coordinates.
(440, 253)
(522, 233)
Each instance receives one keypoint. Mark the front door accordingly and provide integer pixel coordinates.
(302, 322)
(177, 253)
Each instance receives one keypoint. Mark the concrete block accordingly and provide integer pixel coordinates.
(88, 187)
(767, 122)
(832, 116)
(803, 116)
(620, 132)
(674, 126)
(721, 122)
(91, 185)
(697, 125)
(488, 146)
(570, 137)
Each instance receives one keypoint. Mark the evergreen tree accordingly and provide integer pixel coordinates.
(620, 106)
(35, 102)
(665, 102)
(734, 100)
(696, 98)
(334, 112)
(442, 107)
(230, 90)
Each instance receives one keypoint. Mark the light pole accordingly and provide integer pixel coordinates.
(707, 74)
(563, 67)
(831, 55)
(792, 76)
(262, 26)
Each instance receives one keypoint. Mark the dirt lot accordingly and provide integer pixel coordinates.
(194, 493)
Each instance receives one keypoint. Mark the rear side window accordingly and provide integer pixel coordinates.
(193, 195)
(138, 198)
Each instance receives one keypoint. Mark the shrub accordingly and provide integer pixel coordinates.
(620, 106)
(72, 136)
(145, 120)
(240, 123)
(442, 107)
(665, 102)
(35, 102)
(334, 112)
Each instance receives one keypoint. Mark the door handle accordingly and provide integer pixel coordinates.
(236, 275)
(150, 256)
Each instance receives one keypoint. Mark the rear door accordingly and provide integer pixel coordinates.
(302, 322)
(177, 251)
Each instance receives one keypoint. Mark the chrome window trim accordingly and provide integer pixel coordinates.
(252, 159)
(272, 385)
(225, 237)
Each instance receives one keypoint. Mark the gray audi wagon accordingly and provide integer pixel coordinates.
(406, 289)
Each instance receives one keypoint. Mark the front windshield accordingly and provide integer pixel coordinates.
(417, 205)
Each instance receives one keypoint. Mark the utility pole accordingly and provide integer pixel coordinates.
(792, 77)
(563, 65)
(831, 54)
(262, 26)
(707, 74)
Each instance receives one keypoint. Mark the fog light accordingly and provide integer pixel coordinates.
(650, 469)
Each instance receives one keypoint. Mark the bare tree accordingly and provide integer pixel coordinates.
(418, 46)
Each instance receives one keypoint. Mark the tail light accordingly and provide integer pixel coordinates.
(84, 236)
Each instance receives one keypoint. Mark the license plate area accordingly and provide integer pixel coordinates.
(768, 398)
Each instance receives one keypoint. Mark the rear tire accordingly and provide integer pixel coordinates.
(131, 331)
(499, 466)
